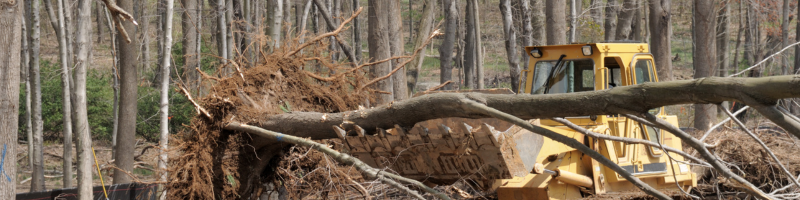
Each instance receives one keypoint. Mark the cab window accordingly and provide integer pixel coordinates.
(569, 76)
(643, 72)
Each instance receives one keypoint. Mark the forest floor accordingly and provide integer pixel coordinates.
(146, 162)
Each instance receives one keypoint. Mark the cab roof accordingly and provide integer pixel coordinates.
(601, 47)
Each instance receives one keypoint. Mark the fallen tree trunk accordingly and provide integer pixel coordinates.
(764, 91)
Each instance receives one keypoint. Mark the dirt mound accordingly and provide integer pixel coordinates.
(221, 164)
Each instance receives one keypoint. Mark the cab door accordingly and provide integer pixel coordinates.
(646, 159)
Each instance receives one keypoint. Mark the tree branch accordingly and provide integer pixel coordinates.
(348, 51)
(637, 98)
(328, 34)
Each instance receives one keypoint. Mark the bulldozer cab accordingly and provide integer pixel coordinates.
(586, 67)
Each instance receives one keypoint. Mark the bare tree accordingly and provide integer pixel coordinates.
(797, 48)
(275, 26)
(478, 46)
(67, 104)
(425, 26)
(99, 19)
(784, 62)
(660, 34)
(556, 22)
(527, 30)
(511, 43)
(164, 101)
(356, 35)
(723, 36)
(625, 19)
(704, 57)
(123, 156)
(636, 24)
(396, 48)
(11, 31)
(23, 69)
(538, 19)
(596, 10)
(470, 51)
(222, 42)
(81, 120)
(610, 24)
(379, 48)
(191, 32)
(37, 177)
(446, 48)
(229, 20)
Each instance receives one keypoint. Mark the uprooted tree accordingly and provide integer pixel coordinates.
(231, 147)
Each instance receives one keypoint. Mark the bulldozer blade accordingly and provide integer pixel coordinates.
(446, 150)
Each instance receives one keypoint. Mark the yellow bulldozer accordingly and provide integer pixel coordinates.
(495, 155)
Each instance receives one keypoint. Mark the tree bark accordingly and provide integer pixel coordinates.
(479, 47)
(229, 43)
(784, 61)
(470, 50)
(704, 57)
(636, 23)
(37, 177)
(556, 22)
(67, 104)
(525, 36)
(331, 9)
(637, 98)
(610, 24)
(379, 48)
(425, 26)
(287, 16)
(164, 101)
(222, 42)
(123, 156)
(573, 20)
(446, 48)
(396, 47)
(538, 19)
(275, 29)
(10, 38)
(190, 40)
(723, 38)
(660, 35)
(510, 43)
(625, 19)
(356, 35)
(23, 69)
(797, 48)
(99, 19)
(84, 47)
(596, 8)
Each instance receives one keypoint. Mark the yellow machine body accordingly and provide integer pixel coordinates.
(494, 155)
(606, 65)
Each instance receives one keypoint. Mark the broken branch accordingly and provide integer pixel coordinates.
(328, 34)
